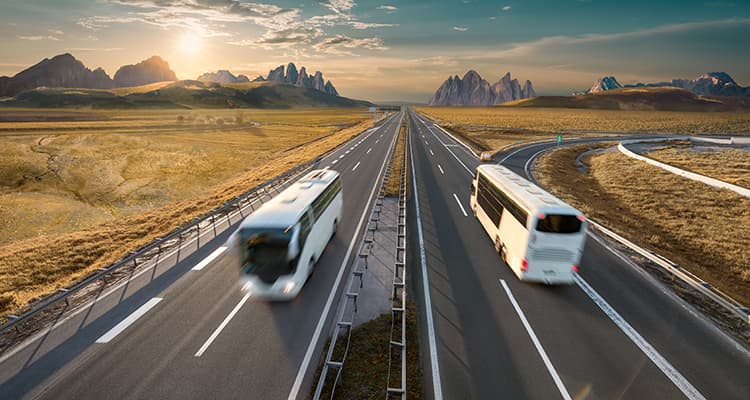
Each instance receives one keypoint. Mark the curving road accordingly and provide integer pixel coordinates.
(190, 332)
(617, 334)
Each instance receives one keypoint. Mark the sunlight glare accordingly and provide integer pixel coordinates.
(190, 43)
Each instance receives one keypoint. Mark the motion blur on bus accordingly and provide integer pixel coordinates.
(277, 246)
(539, 236)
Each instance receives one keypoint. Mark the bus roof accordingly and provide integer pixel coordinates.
(530, 196)
(286, 208)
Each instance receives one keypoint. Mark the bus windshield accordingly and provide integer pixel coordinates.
(265, 253)
(559, 224)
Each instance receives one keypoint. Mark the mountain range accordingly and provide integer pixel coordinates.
(64, 70)
(289, 76)
(708, 84)
(473, 90)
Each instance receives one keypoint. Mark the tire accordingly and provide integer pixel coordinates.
(312, 268)
(335, 227)
(498, 245)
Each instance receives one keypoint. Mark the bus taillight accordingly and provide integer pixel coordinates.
(524, 265)
(574, 268)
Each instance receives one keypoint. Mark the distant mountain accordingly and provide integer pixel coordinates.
(59, 71)
(151, 70)
(185, 94)
(708, 84)
(604, 84)
(223, 76)
(299, 78)
(643, 98)
(472, 90)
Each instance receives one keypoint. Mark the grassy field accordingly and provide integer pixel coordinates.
(728, 165)
(75, 196)
(703, 229)
(493, 128)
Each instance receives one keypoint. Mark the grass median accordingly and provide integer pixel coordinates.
(726, 164)
(703, 229)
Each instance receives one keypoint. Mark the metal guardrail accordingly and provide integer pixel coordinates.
(397, 345)
(335, 357)
(19, 327)
(692, 280)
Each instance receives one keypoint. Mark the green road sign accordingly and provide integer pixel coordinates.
(559, 139)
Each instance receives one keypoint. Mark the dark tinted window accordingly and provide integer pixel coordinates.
(495, 199)
(320, 204)
(559, 224)
(264, 253)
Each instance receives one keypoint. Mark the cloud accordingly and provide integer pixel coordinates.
(36, 38)
(506, 8)
(492, 18)
(56, 32)
(341, 44)
(338, 6)
(460, 28)
(388, 8)
(367, 25)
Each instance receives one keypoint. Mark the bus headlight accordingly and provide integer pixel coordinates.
(289, 287)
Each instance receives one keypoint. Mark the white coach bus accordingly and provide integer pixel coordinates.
(539, 236)
(278, 244)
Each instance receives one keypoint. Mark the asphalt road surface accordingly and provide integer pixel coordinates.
(204, 339)
(616, 334)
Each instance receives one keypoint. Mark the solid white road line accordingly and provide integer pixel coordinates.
(355, 166)
(527, 166)
(683, 384)
(537, 344)
(459, 204)
(222, 325)
(441, 169)
(124, 324)
(369, 150)
(210, 258)
(434, 365)
(324, 315)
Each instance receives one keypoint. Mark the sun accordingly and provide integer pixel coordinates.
(190, 43)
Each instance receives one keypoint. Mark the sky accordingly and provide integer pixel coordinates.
(387, 50)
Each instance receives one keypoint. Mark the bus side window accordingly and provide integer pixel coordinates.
(305, 225)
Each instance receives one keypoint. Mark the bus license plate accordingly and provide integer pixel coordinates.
(549, 272)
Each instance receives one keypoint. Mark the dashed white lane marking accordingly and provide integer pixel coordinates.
(431, 153)
(210, 258)
(221, 327)
(342, 156)
(441, 169)
(334, 161)
(355, 167)
(369, 150)
(675, 376)
(460, 205)
(537, 344)
(124, 324)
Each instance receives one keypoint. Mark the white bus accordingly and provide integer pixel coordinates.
(278, 244)
(539, 236)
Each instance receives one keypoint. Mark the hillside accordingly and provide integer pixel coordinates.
(185, 94)
(657, 99)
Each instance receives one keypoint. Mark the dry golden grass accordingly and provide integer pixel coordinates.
(143, 186)
(728, 165)
(394, 183)
(577, 121)
(703, 229)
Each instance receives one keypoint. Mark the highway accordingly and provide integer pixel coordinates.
(616, 334)
(192, 334)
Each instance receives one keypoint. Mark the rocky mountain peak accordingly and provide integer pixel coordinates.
(301, 78)
(222, 76)
(472, 89)
(605, 83)
(707, 84)
(154, 69)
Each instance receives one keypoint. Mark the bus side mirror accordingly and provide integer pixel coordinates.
(472, 187)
